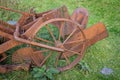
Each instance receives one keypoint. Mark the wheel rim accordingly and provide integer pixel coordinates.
(57, 42)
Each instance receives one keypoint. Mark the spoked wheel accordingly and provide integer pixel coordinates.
(61, 36)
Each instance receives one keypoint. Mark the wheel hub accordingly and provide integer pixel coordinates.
(59, 44)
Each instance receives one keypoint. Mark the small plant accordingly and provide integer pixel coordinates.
(43, 73)
(83, 67)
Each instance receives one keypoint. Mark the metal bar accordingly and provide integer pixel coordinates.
(9, 9)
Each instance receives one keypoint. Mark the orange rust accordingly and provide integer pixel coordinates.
(93, 34)
(6, 35)
(3, 57)
(6, 29)
(8, 68)
(27, 55)
(8, 45)
(71, 29)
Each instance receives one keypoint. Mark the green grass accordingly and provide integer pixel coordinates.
(104, 53)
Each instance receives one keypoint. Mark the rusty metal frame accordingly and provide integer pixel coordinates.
(30, 23)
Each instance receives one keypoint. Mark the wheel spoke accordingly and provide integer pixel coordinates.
(46, 58)
(67, 60)
(44, 40)
(77, 41)
(57, 58)
(69, 36)
(72, 51)
(82, 44)
(51, 33)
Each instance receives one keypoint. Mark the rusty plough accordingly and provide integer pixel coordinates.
(51, 38)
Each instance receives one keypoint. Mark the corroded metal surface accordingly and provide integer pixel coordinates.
(72, 40)
(80, 15)
(93, 34)
(27, 55)
(9, 68)
(3, 57)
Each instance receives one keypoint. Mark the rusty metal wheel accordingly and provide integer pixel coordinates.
(59, 33)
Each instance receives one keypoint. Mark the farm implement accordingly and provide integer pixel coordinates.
(51, 38)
